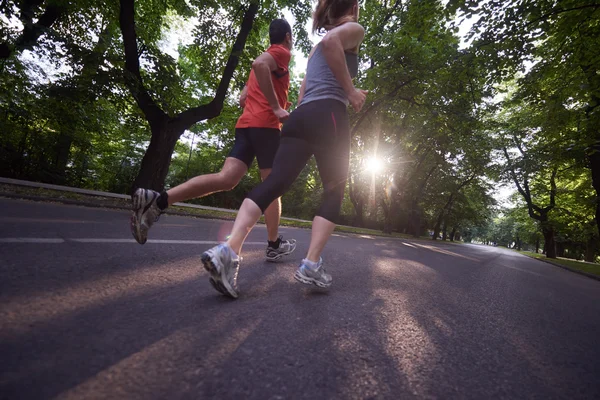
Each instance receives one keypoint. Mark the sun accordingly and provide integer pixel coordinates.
(374, 165)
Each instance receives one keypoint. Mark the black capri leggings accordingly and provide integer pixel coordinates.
(321, 128)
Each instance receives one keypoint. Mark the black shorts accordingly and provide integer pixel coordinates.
(261, 143)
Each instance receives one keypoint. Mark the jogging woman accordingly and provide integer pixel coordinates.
(319, 127)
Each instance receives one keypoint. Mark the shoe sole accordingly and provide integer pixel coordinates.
(215, 277)
(280, 255)
(135, 220)
(136, 228)
(310, 281)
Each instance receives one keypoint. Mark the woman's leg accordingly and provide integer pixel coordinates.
(222, 261)
(333, 168)
(291, 158)
(333, 163)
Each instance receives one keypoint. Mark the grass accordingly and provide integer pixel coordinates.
(58, 195)
(589, 268)
(110, 202)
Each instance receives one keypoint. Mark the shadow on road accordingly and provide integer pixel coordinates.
(399, 322)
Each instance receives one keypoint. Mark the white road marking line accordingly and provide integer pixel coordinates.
(93, 240)
(156, 241)
(409, 245)
(31, 240)
(105, 240)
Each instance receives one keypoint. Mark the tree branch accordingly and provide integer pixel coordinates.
(206, 111)
(553, 12)
(153, 113)
(31, 32)
(378, 102)
(553, 187)
(526, 195)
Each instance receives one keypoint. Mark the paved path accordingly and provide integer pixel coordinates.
(86, 313)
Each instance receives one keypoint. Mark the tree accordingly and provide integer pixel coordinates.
(424, 123)
(562, 39)
(166, 129)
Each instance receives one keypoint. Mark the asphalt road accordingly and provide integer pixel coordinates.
(86, 313)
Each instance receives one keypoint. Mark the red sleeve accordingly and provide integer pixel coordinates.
(281, 55)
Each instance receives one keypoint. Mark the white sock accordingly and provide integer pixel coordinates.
(233, 255)
(310, 264)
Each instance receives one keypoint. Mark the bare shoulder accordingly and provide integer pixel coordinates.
(350, 34)
(350, 27)
(311, 52)
(348, 31)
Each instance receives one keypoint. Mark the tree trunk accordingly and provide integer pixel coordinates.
(592, 128)
(387, 226)
(444, 232)
(387, 220)
(75, 93)
(594, 159)
(156, 161)
(438, 226)
(359, 220)
(549, 243)
(357, 200)
(414, 220)
(62, 151)
(452, 233)
(414, 214)
(560, 249)
(19, 167)
(359, 209)
(537, 245)
(591, 248)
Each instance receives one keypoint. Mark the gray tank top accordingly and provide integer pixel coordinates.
(320, 81)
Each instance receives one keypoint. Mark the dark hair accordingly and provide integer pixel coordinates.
(329, 11)
(278, 29)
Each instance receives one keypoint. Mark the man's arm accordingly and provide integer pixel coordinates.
(262, 67)
(243, 96)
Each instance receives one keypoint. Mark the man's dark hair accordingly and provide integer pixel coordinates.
(278, 29)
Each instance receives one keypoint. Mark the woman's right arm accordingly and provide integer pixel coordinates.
(344, 37)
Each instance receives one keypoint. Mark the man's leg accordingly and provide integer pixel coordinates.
(148, 204)
(265, 143)
(277, 247)
(230, 175)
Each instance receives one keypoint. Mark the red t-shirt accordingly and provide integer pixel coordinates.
(257, 112)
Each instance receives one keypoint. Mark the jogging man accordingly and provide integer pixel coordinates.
(257, 134)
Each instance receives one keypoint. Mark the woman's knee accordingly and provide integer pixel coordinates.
(332, 203)
(272, 188)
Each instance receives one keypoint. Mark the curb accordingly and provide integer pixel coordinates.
(592, 276)
(284, 220)
(177, 213)
(99, 205)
